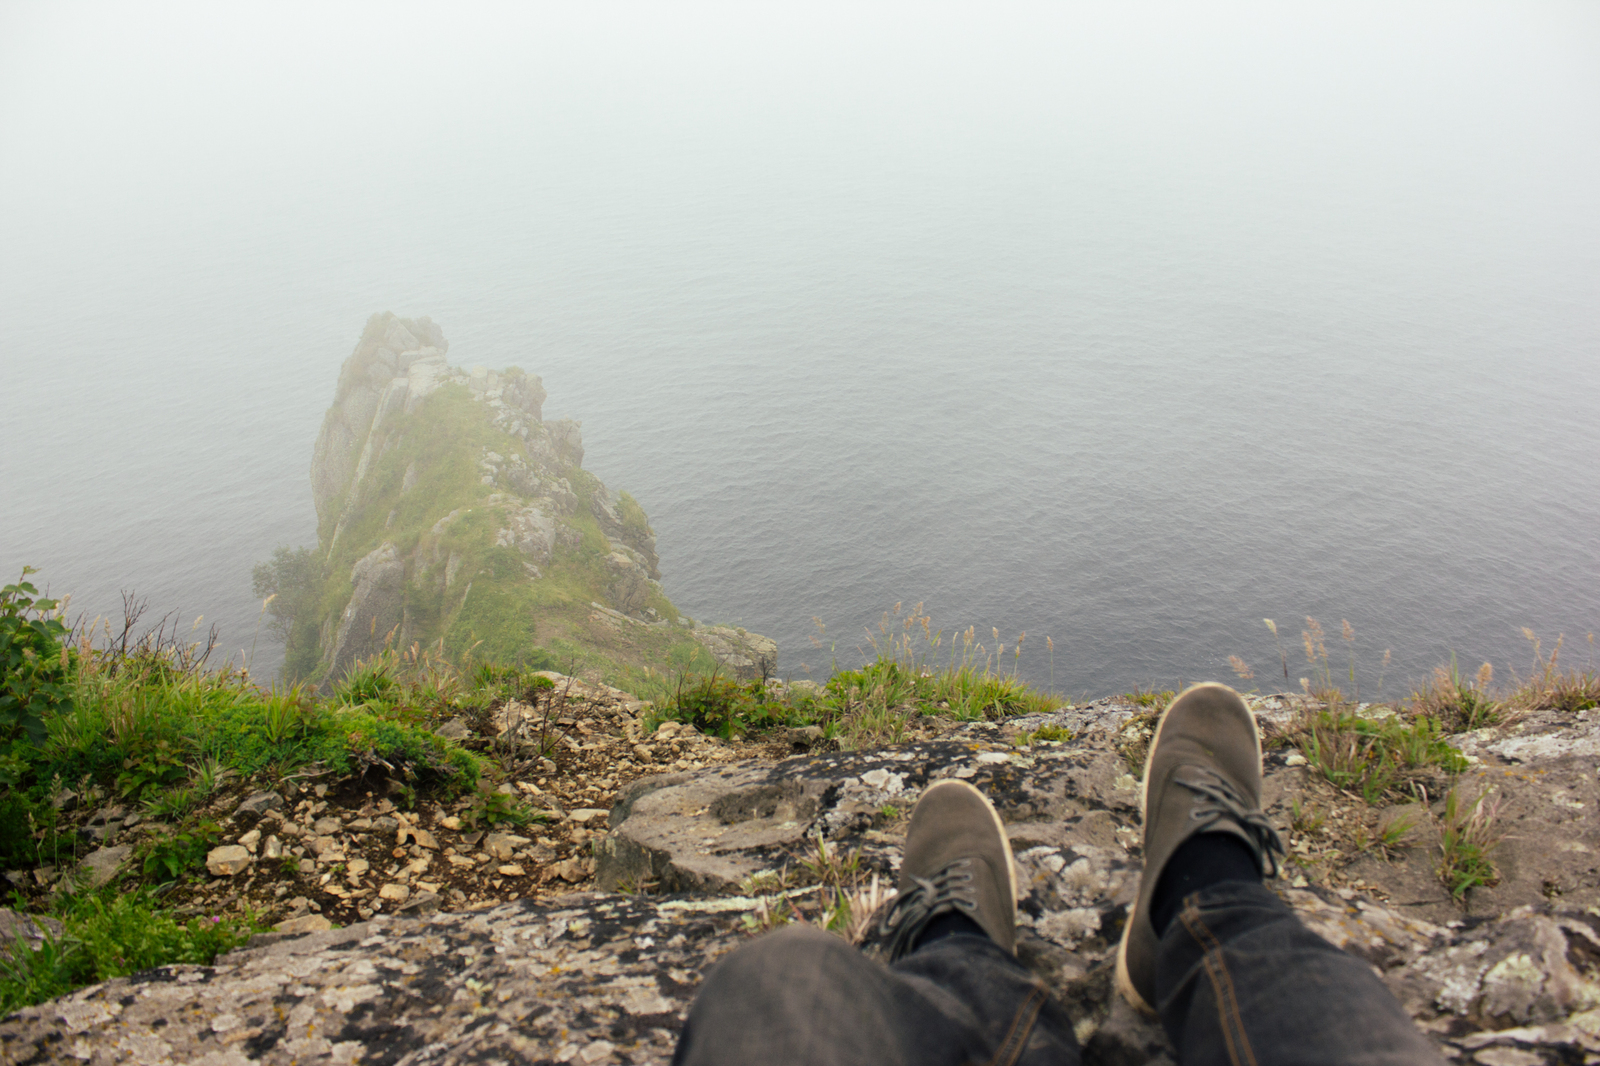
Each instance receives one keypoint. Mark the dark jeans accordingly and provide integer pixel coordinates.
(1239, 981)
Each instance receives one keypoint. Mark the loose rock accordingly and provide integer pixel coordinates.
(227, 860)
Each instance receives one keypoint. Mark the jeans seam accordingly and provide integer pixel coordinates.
(1010, 1048)
(1231, 1022)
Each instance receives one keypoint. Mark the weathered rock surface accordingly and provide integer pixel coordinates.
(601, 977)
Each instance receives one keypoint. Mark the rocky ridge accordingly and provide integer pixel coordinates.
(712, 848)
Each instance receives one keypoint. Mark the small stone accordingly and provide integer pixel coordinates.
(309, 923)
(397, 893)
(425, 839)
(102, 865)
(511, 870)
(421, 903)
(572, 870)
(227, 860)
(358, 866)
(1295, 760)
(273, 848)
(44, 875)
(308, 866)
(501, 845)
(451, 822)
(259, 803)
(454, 729)
(65, 800)
(585, 815)
(805, 736)
(251, 841)
(327, 826)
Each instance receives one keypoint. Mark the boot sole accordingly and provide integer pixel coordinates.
(1123, 981)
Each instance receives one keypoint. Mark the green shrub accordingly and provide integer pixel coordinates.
(170, 857)
(113, 936)
(290, 587)
(715, 704)
(35, 662)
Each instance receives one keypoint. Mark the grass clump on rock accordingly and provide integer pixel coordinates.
(879, 702)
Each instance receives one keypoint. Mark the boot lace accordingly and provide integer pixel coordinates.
(1221, 801)
(948, 890)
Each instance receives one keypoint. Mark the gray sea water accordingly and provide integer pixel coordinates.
(1124, 325)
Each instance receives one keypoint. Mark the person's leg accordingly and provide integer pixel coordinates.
(802, 995)
(1235, 976)
(1017, 1018)
(953, 991)
(1239, 980)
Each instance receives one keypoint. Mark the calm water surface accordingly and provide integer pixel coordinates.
(1127, 329)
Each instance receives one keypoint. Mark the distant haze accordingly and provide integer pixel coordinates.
(1128, 325)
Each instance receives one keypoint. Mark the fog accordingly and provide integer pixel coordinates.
(966, 304)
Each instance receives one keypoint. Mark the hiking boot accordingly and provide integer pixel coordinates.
(957, 860)
(1202, 775)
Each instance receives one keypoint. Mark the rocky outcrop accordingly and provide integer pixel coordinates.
(747, 656)
(434, 484)
(600, 977)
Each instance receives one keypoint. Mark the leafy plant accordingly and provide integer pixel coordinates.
(716, 705)
(290, 586)
(493, 808)
(35, 661)
(173, 856)
(108, 936)
(157, 769)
